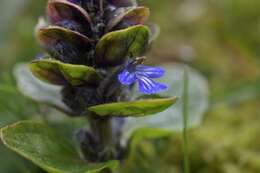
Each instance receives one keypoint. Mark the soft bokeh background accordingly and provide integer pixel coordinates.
(220, 38)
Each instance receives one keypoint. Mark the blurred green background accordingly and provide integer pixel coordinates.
(220, 38)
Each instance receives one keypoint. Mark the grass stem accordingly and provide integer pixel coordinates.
(185, 111)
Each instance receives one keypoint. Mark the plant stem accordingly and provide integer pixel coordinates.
(105, 132)
(102, 129)
(185, 110)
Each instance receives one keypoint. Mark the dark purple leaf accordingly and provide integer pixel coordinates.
(60, 10)
(65, 45)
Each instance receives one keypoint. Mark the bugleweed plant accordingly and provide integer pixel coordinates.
(95, 51)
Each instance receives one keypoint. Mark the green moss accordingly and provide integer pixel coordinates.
(227, 142)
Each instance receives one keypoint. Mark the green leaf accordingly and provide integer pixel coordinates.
(11, 162)
(137, 157)
(36, 89)
(135, 108)
(171, 119)
(56, 72)
(115, 47)
(44, 147)
(147, 133)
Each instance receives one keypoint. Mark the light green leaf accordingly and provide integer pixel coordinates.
(171, 118)
(11, 162)
(147, 133)
(36, 89)
(135, 155)
(44, 147)
(56, 72)
(115, 47)
(135, 108)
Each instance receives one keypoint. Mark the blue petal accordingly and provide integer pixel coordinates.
(126, 78)
(148, 86)
(151, 72)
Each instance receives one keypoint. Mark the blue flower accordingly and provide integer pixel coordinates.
(143, 75)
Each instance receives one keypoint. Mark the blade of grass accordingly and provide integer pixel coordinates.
(185, 97)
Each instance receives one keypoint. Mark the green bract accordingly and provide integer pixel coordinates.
(56, 72)
(115, 47)
(135, 108)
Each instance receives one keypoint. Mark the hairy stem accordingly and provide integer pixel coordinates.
(102, 129)
(106, 136)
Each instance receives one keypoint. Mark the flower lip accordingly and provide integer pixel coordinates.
(136, 72)
(148, 86)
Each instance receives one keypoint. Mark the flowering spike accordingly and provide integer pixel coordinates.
(87, 44)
